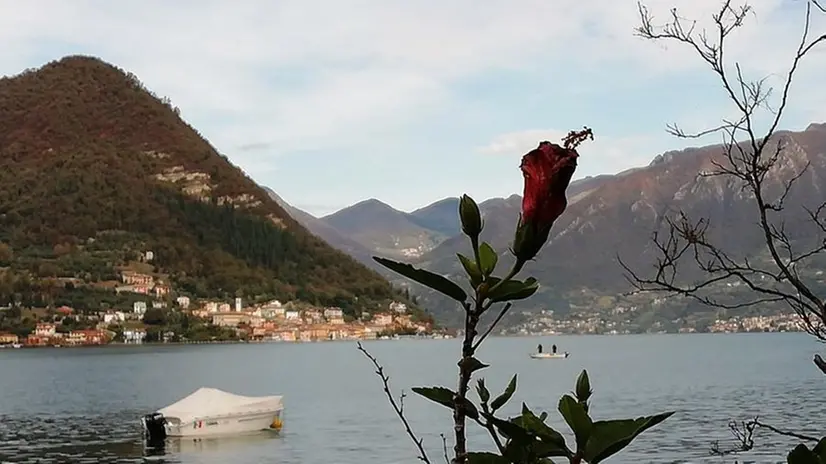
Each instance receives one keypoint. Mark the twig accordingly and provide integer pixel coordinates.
(492, 325)
(444, 447)
(398, 408)
(494, 435)
(743, 433)
(785, 433)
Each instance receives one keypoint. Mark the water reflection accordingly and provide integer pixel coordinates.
(217, 444)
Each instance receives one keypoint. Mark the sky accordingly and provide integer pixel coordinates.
(330, 102)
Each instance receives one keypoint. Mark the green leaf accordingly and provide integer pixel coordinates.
(500, 400)
(554, 441)
(512, 289)
(486, 458)
(487, 258)
(611, 436)
(802, 455)
(470, 269)
(472, 363)
(512, 430)
(583, 387)
(441, 395)
(482, 391)
(426, 278)
(577, 419)
(445, 397)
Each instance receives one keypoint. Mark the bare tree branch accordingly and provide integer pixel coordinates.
(397, 407)
(743, 433)
(444, 448)
(749, 160)
(751, 163)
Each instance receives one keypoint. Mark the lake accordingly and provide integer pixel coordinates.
(83, 405)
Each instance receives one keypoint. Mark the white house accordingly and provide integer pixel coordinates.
(273, 304)
(292, 315)
(134, 336)
(183, 301)
(114, 317)
(45, 329)
(398, 307)
(139, 307)
(333, 313)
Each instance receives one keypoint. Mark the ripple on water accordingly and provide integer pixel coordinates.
(75, 439)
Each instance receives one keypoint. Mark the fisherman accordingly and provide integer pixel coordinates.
(553, 348)
(539, 348)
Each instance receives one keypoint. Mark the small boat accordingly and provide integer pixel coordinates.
(210, 412)
(16, 345)
(550, 355)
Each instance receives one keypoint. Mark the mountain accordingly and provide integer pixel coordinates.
(439, 217)
(330, 235)
(95, 170)
(616, 215)
(607, 216)
(387, 231)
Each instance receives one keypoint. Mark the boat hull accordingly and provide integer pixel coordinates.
(157, 428)
(549, 355)
(211, 427)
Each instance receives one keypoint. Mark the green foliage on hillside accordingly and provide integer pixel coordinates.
(79, 148)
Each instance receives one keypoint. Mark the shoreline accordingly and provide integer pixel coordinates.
(255, 342)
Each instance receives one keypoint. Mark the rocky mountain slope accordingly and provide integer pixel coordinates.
(615, 215)
(95, 170)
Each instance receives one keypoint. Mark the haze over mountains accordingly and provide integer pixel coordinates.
(607, 216)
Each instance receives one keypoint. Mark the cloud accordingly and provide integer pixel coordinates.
(267, 79)
(367, 65)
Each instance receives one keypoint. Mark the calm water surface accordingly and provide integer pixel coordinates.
(83, 405)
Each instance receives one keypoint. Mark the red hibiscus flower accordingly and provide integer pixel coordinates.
(547, 170)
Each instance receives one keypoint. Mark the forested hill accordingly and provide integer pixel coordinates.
(95, 170)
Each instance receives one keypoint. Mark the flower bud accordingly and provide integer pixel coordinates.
(470, 216)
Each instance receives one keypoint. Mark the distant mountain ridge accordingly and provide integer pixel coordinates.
(608, 215)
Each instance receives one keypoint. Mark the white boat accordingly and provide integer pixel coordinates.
(16, 345)
(550, 355)
(209, 412)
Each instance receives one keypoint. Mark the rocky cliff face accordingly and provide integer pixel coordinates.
(613, 216)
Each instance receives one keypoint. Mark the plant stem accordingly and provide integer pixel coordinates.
(472, 315)
(487, 332)
(459, 414)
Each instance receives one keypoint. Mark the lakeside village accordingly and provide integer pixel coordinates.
(620, 321)
(271, 321)
(299, 322)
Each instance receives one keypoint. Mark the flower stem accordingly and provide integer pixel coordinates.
(459, 413)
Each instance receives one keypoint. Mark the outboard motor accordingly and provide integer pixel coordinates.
(154, 430)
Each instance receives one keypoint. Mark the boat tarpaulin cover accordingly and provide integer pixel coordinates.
(206, 402)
